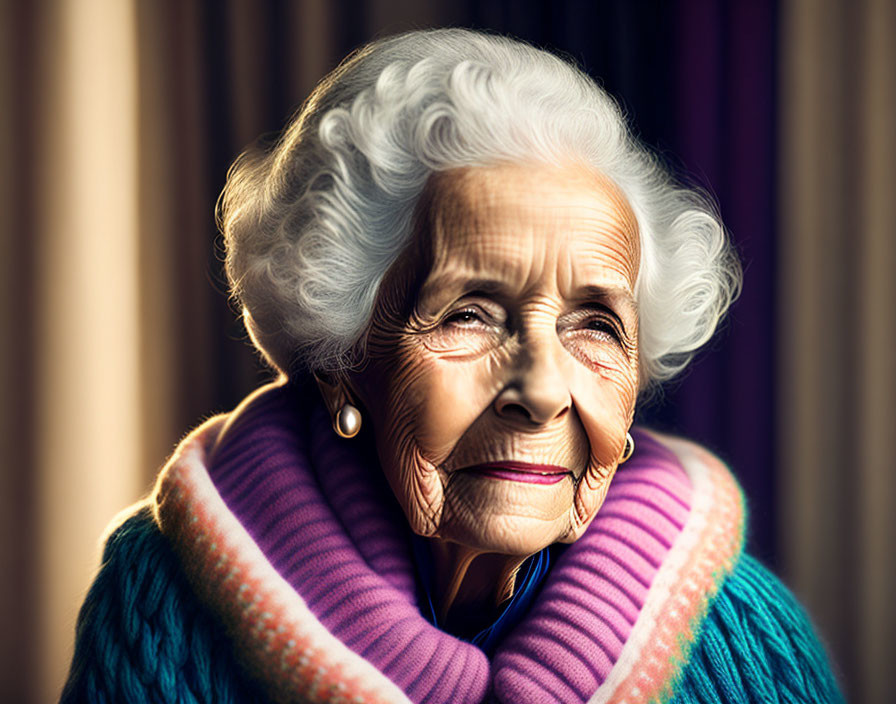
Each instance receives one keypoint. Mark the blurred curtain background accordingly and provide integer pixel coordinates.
(119, 118)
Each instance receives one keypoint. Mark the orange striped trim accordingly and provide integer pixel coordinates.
(704, 553)
(281, 642)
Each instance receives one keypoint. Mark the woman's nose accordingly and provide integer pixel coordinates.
(536, 391)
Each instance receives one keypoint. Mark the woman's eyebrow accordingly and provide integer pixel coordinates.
(618, 296)
(451, 283)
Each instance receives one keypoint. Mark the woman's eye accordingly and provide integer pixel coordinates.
(468, 330)
(465, 318)
(595, 338)
(603, 325)
(593, 335)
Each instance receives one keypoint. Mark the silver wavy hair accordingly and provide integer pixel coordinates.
(312, 226)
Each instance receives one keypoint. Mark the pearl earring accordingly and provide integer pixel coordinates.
(628, 449)
(347, 423)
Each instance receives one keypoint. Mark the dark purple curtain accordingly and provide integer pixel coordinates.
(697, 78)
(725, 133)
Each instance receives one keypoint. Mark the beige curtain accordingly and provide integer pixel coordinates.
(111, 301)
(77, 445)
(68, 316)
(838, 334)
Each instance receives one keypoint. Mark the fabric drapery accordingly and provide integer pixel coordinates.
(837, 327)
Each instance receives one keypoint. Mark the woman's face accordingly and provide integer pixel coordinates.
(503, 357)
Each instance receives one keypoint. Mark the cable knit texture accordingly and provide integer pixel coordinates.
(142, 637)
(298, 559)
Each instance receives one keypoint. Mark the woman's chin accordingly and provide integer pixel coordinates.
(506, 535)
(507, 517)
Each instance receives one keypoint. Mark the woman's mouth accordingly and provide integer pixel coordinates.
(521, 472)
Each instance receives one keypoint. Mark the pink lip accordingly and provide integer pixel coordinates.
(521, 472)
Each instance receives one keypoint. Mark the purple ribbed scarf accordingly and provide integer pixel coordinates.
(325, 519)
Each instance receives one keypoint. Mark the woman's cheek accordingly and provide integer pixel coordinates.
(605, 407)
(590, 495)
(430, 408)
(605, 404)
(454, 395)
(415, 481)
(599, 354)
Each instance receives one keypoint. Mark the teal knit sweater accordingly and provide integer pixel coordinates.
(142, 636)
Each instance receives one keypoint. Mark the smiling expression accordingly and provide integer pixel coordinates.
(503, 358)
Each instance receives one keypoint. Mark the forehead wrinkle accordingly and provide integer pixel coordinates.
(478, 232)
(477, 237)
(471, 259)
(603, 261)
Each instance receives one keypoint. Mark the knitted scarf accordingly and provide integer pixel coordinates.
(290, 535)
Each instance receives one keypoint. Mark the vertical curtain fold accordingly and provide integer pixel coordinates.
(876, 416)
(838, 327)
(177, 305)
(87, 422)
(725, 116)
(18, 602)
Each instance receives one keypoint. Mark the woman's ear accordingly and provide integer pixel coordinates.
(341, 406)
(333, 390)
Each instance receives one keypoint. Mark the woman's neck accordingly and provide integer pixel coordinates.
(471, 585)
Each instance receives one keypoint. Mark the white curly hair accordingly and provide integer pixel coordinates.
(312, 226)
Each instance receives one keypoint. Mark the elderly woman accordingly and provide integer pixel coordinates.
(466, 270)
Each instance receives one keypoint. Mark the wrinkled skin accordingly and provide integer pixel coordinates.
(508, 332)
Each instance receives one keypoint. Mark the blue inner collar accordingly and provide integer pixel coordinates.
(528, 583)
